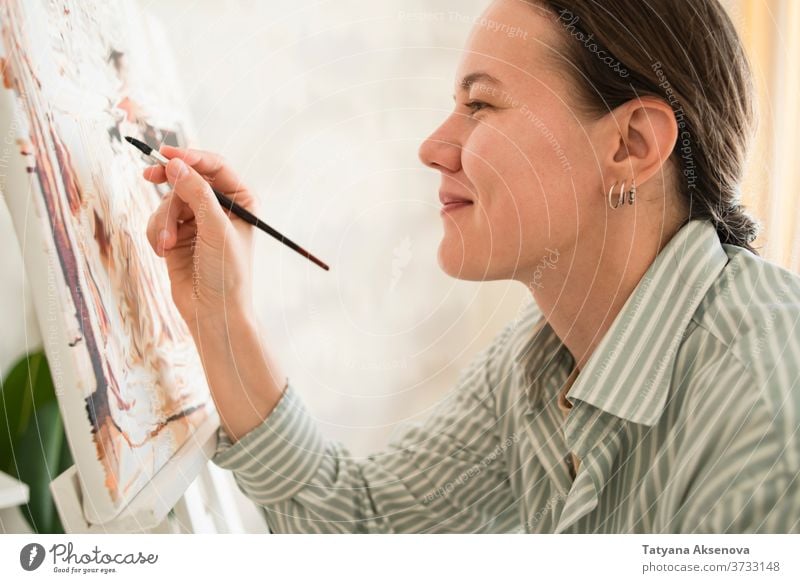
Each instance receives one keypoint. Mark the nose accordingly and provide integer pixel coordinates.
(442, 150)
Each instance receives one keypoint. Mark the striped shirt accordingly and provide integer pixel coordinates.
(684, 419)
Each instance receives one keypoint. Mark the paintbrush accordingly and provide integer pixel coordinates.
(227, 203)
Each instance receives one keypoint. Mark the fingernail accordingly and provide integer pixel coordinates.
(176, 168)
(163, 235)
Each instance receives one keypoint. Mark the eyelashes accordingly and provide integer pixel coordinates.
(476, 106)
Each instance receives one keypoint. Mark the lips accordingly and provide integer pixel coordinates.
(447, 198)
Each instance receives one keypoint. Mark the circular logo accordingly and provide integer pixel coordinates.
(31, 556)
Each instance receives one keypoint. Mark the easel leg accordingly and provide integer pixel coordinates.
(12, 521)
(207, 506)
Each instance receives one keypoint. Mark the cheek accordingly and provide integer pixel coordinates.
(525, 174)
(520, 169)
(504, 181)
(495, 162)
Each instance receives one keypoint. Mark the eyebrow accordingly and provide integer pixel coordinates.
(469, 80)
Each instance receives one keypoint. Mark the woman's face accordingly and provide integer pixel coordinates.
(517, 148)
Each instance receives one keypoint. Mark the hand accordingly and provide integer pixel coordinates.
(208, 250)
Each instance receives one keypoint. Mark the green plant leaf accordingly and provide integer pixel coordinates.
(40, 451)
(33, 446)
(12, 395)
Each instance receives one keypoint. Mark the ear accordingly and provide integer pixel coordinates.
(642, 135)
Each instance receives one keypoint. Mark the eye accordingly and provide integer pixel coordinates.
(475, 106)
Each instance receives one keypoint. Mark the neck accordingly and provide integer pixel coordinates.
(581, 290)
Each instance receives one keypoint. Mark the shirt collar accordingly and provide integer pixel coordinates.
(630, 372)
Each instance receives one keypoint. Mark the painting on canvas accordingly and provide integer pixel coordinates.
(77, 78)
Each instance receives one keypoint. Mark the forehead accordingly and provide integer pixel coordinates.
(510, 41)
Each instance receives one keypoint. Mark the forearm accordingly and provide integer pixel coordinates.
(246, 381)
(310, 484)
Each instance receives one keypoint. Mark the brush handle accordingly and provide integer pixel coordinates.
(227, 203)
(250, 218)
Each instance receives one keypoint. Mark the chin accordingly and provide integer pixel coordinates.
(455, 262)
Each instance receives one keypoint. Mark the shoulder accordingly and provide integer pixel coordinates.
(754, 309)
(492, 371)
(497, 356)
(745, 342)
(748, 281)
(518, 336)
(484, 385)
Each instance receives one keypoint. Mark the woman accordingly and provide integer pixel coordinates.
(651, 386)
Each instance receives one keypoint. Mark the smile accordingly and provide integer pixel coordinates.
(454, 206)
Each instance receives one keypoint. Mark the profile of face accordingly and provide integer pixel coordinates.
(517, 147)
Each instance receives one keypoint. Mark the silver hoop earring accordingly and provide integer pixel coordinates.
(632, 192)
(610, 194)
(621, 199)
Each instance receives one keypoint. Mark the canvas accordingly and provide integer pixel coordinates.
(77, 78)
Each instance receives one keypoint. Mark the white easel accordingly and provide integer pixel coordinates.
(13, 494)
(207, 505)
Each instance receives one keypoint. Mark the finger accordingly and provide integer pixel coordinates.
(217, 172)
(155, 174)
(243, 199)
(162, 228)
(210, 165)
(163, 225)
(192, 189)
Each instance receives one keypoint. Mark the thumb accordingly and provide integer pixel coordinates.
(192, 189)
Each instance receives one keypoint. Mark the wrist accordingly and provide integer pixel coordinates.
(222, 324)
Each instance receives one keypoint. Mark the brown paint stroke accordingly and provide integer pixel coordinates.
(46, 177)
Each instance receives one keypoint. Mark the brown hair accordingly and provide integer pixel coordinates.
(689, 54)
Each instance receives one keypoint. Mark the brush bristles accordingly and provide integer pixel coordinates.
(145, 149)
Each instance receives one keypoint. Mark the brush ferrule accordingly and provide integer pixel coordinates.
(156, 155)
